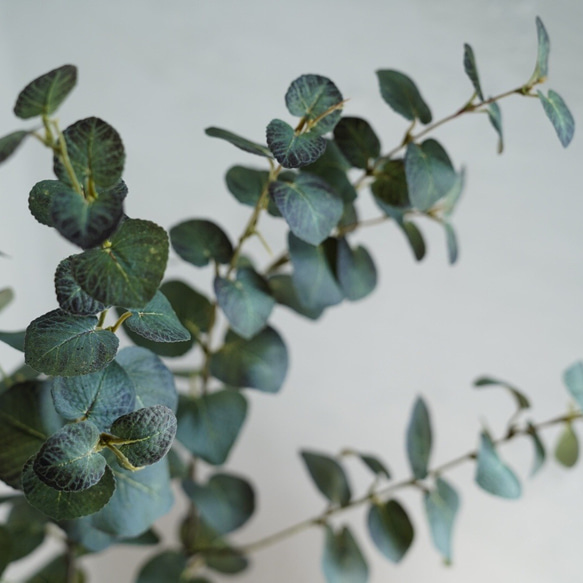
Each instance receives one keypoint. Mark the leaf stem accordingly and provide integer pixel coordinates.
(120, 321)
(63, 154)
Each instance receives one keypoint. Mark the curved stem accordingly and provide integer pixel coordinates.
(63, 154)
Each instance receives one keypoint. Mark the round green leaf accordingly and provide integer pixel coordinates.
(312, 97)
(355, 270)
(101, 397)
(61, 344)
(198, 241)
(309, 207)
(225, 502)
(259, 363)
(241, 143)
(208, 426)
(247, 185)
(44, 95)
(492, 475)
(61, 505)
(328, 476)
(559, 115)
(343, 561)
(567, 450)
(10, 143)
(128, 270)
(246, 302)
(87, 223)
(293, 150)
(68, 459)
(419, 439)
(147, 434)
(390, 187)
(357, 141)
(401, 93)
(96, 153)
(152, 381)
(441, 507)
(390, 529)
(70, 296)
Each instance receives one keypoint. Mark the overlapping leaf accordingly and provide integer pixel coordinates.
(441, 507)
(291, 149)
(419, 439)
(198, 241)
(343, 561)
(283, 290)
(70, 295)
(357, 141)
(401, 93)
(241, 143)
(356, 271)
(492, 475)
(128, 271)
(328, 476)
(390, 529)
(44, 95)
(247, 185)
(259, 363)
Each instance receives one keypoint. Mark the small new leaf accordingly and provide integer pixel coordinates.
(492, 475)
(328, 476)
(241, 143)
(198, 241)
(541, 69)
(419, 439)
(495, 117)
(44, 95)
(471, 70)
(10, 143)
(567, 449)
(401, 93)
(343, 561)
(441, 507)
(560, 116)
(291, 149)
(522, 401)
(390, 529)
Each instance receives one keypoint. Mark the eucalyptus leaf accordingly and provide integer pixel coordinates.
(166, 566)
(241, 143)
(225, 502)
(140, 498)
(471, 70)
(357, 141)
(70, 295)
(401, 93)
(61, 505)
(259, 363)
(198, 241)
(40, 200)
(430, 174)
(309, 207)
(61, 344)
(573, 379)
(328, 476)
(390, 187)
(101, 397)
(22, 374)
(452, 244)
(283, 290)
(316, 99)
(10, 143)
(492, 475)
(313, 276)
(522, 401)
(495, 117)
(128, 270)
(6, 297)
(96, 153)
(152, 381)
(144, 436)
(356, 271)
(375, 465)
(559, 115)
(541, 69)
(246, 302)
(441, 507)
(68, 460)
(291, 149)
(343, 561)
(567, 449)
(390, 529)
(14, 339)
(247, 186)
(157, 321)
(539, 450)
(46, 93)
(27, 527)
(419, 439)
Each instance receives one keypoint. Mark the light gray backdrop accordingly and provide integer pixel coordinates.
(160, 72)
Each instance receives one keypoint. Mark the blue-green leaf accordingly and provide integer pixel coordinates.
(313, 275)
(375, 465)
(40, 200)
(70, 295)
(415, 239)
(541, 69)
(451, 240)
(343, 561)
(209, 425)
(198, 241)
(167, 566)
(573, 379)
(430, 174)
(522, 401)
(10, 143)
(317, 99)
(44, 95)
(495, 117)
(96, 153)
(61, 344)
(309, 206)
(101, 397)
(128, 270)
(241, 143)
(61, 505)
(328, 476)
(68, 460)
(419, 439)
(356, 271)
(560, 116)
(246, 302)
(390, 187)
(152, 381)
(357, 141)
(401, 93)
(14, 339)
(225, 502)
(539, 450)
(390, 529)
(567, 448)
(259, 363)
(441, 507)
(247, 185)
(471, 70)
(283, 290)
(492, 475)
(291, 149)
